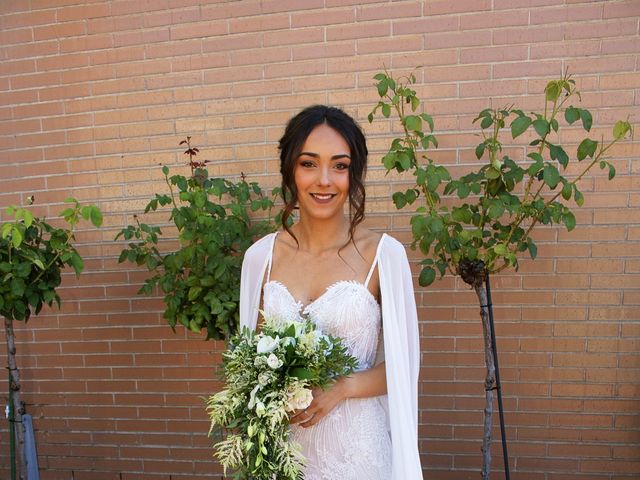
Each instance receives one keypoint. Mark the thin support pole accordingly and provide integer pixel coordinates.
(494, 348)
(12, 434)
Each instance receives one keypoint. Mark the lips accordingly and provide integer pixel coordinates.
(322, 197)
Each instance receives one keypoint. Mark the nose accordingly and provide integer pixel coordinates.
(324, 177)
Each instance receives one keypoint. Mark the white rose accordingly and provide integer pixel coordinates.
(273, 361)
(299, 399)
(267, 344)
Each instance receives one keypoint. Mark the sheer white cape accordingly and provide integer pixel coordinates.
(401, 341)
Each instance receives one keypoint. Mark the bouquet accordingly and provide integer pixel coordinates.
(268, 375)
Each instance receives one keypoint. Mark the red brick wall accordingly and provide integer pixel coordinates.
(94, 95)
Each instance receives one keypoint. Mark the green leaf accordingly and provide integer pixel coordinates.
(552, 91)
(569, 220)
(533, 249)
(480, 150)
(519, 126)
(389, 160)
(486, 122)
(413, 122)
(399, 200)
(165, 170)
(492, 173)
(427, 276)
(383, 87)
(567, 189)
(587, 120)
(16, 237)
(404, 160)
(415, 102)
(541, 126)
(612, 171)
(193, 293)
(386, 110)
(501, 249)
(86, 212)
(578, 197)
(558, 153)
(551, 176)
(427, 118)
(96, 216)
(587, 148)
(301, 373)
(6, 229)
(27, 216)
(571, 115)
(411, 195)
(620, 129)
(495, 210)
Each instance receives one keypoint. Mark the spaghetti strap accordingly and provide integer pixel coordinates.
(374, 263)
(273, 243)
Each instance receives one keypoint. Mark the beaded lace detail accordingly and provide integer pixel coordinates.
(352, 442)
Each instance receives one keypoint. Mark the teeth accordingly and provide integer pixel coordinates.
(322, 197)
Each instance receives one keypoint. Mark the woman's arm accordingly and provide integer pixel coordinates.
(366, 383)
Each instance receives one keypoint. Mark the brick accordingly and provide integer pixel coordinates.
(325, 50)
(565, 49)
(440, 7)
(260, 23)
(400, 10)
(321, 18)
(197, 30)
(259, 57)
(493, 54)
(114, 24)
(625, 9)
(493, 20)
(601, 30)
(28, 19)
(365, 30)
(566, 14)
(428, 26)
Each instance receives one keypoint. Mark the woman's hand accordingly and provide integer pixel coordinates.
(366, 383)
(324, 401)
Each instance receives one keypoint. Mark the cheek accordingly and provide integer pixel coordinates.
(302, 178)
(343, 181)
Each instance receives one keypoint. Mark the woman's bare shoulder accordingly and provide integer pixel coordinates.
(367, 240)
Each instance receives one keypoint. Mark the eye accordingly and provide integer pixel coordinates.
(342, 166)
(306, 164)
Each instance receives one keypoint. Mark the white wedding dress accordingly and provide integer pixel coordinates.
(369, 438)
(352, 442)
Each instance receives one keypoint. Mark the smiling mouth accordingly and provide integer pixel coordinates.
(323, 196)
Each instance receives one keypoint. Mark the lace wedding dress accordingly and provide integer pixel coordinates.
(352, 442)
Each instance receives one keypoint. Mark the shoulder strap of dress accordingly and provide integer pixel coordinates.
(273, 242)
(375, 261)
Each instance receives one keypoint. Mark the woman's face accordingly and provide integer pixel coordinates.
(322, 174)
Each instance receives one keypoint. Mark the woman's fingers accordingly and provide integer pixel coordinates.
(301, 416)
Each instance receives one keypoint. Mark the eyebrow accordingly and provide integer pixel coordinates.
(335, 157)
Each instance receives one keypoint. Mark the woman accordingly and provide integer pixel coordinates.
(352, 283)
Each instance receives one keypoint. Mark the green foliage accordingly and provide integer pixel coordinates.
(505, 198)
(33, 254)
(200, 280)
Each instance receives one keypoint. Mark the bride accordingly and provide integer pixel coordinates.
(352, 283)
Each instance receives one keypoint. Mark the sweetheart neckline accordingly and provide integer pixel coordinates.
(326, 291)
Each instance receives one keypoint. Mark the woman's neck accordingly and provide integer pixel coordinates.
(318, 237)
